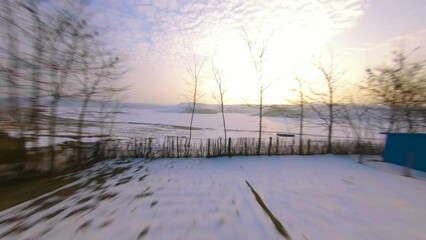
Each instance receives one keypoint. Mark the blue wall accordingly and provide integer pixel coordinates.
(402, 146)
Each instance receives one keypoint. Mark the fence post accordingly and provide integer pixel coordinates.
(171, 147)
(309, 147)
(177, 147)
(164, 148)
(134, 148)
(208, 147)
(270, 146)
(229, 147)
(276, 147)
(186, 149)
(245, 147)
(360, 149)
(148, 154)
(95, 152)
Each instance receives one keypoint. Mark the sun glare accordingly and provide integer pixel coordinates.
(289, 53)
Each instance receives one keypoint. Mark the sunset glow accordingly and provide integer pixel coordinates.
(159, 33)
(154, 36)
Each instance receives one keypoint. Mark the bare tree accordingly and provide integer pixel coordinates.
(331, 78)
(257, 49)
(401, 87)
(301, 102)
(63, 37)
(359, 119)
(38, 31)
(193, 66)
(108, 111)
(53, 52)
(220, 95)
(96, 85)
(12, 69)
(96, 82)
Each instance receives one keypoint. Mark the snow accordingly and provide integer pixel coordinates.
(160, 123)
(378, 163)
(314, 197)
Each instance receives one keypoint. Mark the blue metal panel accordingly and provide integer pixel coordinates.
(406, 149)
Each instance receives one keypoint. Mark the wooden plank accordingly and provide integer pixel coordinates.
(285, 135)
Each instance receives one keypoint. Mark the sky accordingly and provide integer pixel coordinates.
(156, 38)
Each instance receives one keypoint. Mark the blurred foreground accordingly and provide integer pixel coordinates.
(288, 197)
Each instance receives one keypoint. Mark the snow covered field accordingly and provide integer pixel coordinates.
(312, 197)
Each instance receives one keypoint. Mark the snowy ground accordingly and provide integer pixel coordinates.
(313, 197)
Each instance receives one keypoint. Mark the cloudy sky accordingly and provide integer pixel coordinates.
(156, 37)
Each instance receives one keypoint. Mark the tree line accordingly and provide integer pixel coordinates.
(53, 52)
(394, 94)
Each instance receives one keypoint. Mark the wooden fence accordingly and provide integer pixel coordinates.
(178, 147)
(74, 154)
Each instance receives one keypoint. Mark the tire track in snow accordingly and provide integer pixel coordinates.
(280, 228)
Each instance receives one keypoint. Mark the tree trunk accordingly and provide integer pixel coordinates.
(301, 126)
(223, 116)
(192, 119)
(330, 129)
(11, 77)
(260, 121)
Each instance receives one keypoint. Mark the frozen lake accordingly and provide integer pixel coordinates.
(162, 122)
